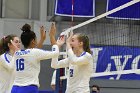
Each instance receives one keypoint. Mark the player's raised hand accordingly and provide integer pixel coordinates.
(61, 41)
(52, 30)
(52, 34)
(70, 34)
(69, 39)
(42, 37)
(42, 33)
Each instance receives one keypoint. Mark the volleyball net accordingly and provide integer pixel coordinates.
(114, 34)
(115, 43)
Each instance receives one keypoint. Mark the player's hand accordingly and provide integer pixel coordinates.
(61, 41)
(52, 34)
(42, 33)
(52, 30)
(69, 37)
(42, 37)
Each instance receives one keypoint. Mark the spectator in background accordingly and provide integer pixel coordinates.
(95, 89)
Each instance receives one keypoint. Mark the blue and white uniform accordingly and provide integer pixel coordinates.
(80, 71)
(28, 67)
(6, 73)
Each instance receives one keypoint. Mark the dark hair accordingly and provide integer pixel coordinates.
(4, 43)
(98, 88)
(83, 38)
(27, 35)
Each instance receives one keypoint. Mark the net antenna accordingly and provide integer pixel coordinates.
(67, 31)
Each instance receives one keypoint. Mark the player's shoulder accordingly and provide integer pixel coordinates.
(22, 52)
(2, 57)
(36, 50)
(88, 55)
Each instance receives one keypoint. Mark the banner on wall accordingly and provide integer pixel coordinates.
(116, 58)
(81, 8)
(131, 12)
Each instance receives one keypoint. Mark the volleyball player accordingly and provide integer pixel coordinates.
(6, 65)
(28, 61)
(80, 63)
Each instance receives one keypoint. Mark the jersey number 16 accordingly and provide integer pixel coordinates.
(20, 64)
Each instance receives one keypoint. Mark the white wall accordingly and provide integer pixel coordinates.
(16, 9)
(1, 28)
(12, 26)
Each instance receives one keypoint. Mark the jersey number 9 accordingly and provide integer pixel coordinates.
(20, 64)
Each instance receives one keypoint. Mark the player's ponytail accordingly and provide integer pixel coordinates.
(27, 35)
(4, 43)
(1, 46)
